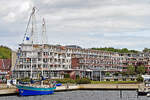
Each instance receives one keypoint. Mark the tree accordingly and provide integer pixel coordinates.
(125, 50)
(141, 70)
(66, 75)
(124, 73)
(131, 70)
(77, 76)
(107, 74)
(5, 52)
(116, 74)
(140, 78)
(146, 50)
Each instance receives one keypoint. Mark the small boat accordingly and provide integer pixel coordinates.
(58, 84)
(148, 94)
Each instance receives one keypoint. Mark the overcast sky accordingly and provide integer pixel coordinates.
(88, 23)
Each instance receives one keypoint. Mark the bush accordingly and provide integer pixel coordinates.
(65, 80)
(140, 78)
(124, 73)
(113, 82)
(66, 76)
(116, 74)
(77, 76)
(24, 79)
(107, 74)
(83, 81)
(78, 81)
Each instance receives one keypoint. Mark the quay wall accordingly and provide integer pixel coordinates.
(5, 91)
(109, 86)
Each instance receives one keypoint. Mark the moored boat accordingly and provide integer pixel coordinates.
(148, 94)
(35, 90)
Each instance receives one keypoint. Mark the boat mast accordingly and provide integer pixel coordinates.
(32, 31)
(43, 31)
(42, 61)
(44, 41)
(44, 37)
(32, 34)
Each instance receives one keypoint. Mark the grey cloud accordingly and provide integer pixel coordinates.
(89, 23)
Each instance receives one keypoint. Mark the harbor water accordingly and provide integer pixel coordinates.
(83, 95)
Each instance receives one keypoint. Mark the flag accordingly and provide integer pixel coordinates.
(27, 38)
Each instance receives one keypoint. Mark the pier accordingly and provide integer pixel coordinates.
(12, 90)
(109, 86)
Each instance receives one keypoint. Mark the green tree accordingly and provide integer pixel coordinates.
(141, 70)
(131, 70)
(5, 52)
(107, 74)
(146, 50)
(123, 50)
(77, 76)
(124, 73)
(116, 74)
(66, 75)
(140, 78)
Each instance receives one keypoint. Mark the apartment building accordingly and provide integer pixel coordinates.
(58, 60)
(5, 66)
(53, 59)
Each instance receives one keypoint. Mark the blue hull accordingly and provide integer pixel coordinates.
(28, 90)
(23, 92)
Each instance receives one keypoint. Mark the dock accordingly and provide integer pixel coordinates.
(8, 91)
(12, 90)
(109, 86)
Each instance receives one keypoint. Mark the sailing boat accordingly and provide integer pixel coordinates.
(32, 88)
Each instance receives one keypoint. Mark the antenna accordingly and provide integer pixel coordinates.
(44, 37)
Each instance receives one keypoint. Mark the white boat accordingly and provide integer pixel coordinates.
(148, 94)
